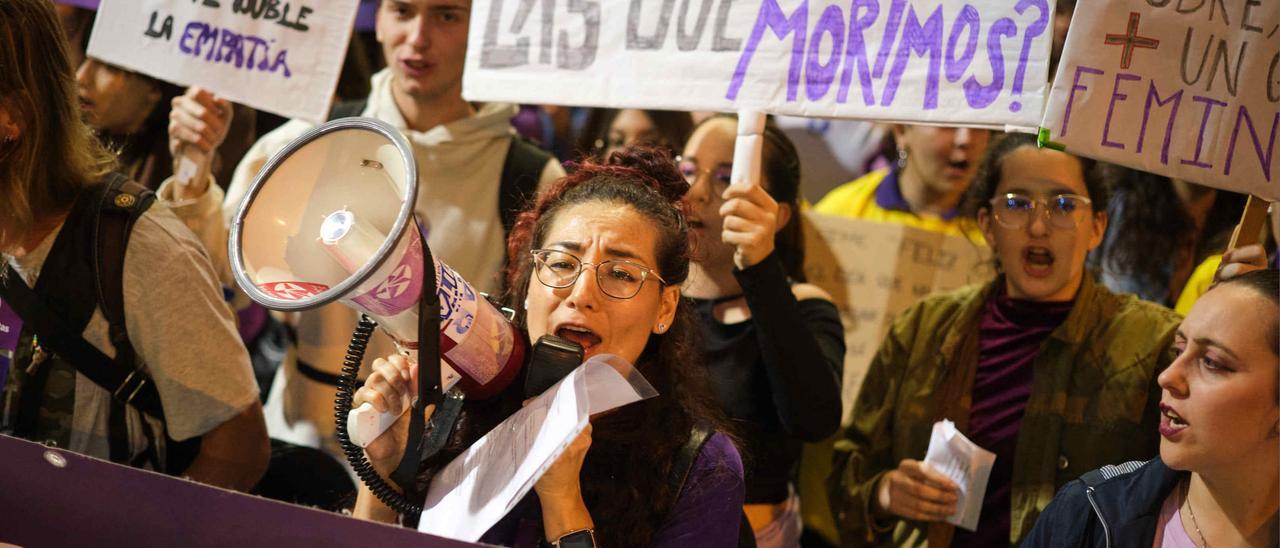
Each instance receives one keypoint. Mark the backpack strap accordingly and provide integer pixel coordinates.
(683, 464)
(122, 202)
(347, 109)
(521, 171)
(59, 327)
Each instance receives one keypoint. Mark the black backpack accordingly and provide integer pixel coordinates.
(59, 308)
(72, 284)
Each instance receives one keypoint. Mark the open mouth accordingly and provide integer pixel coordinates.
(1171, 423)
(1037, 261)
(1175, 420)
(584, 337)
(416, 66)
(85, 104)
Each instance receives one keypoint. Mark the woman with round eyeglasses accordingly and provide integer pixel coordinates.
(1215, 482)
(773, 345)
(598, 260)
(1043, 366)
(620, 279)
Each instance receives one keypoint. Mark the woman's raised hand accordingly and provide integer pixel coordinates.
(750, 221)
(391, 386)
(198, 120)
(560, 491)
(1240, 261)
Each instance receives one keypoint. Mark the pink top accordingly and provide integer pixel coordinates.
(1169, 530)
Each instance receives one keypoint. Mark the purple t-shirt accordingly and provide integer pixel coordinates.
(707, 513)
(1011, 333)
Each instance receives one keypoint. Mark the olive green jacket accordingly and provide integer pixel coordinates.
(1093, 402)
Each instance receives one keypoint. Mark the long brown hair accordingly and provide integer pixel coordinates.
(624, 478)
(55, 155)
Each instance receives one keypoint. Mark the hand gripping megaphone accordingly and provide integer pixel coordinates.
(331, 218)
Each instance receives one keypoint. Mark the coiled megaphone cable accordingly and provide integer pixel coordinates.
(342, 405)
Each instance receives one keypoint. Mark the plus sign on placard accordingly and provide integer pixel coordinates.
(1130, 40)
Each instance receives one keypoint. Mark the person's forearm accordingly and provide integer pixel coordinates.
(240, 472)
(801, 370)
(235, 454)
(369, 508)
(564, 514)
(192, 180)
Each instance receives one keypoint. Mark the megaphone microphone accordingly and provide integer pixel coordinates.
(331, 218)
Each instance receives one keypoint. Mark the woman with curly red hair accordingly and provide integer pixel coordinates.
(621, 224)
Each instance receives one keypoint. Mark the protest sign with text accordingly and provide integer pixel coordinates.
(974, 62)
(1189, 89)
(874, 271)
(282, 56)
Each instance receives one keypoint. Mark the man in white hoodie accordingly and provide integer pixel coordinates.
(460, 152)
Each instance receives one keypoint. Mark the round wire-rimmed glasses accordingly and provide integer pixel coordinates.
(616, 278)
(690, 171)
(1014, 210)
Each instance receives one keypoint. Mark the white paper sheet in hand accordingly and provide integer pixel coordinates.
(968, 465)
(482, 484)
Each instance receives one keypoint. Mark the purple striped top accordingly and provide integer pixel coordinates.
(1011, 333)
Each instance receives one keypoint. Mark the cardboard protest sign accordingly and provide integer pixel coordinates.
(980, 62)
(282, 56)
(873, 271)
(1185, 88)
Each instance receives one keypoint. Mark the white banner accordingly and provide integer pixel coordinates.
(1183, 88)
(281, 56)
(980, 62)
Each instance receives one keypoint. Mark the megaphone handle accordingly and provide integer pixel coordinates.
(365, 423)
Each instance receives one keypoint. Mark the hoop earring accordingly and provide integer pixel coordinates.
(902, 158)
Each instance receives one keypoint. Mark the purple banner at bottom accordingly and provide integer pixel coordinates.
(52, 497)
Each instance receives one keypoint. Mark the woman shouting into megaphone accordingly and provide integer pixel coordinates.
(598, 260)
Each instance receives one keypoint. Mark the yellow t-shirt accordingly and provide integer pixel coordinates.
(1198, 283)
(858, 199)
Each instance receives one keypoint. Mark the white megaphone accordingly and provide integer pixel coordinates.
(331, 218)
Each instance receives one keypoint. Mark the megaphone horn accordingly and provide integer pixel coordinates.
(331, 218)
